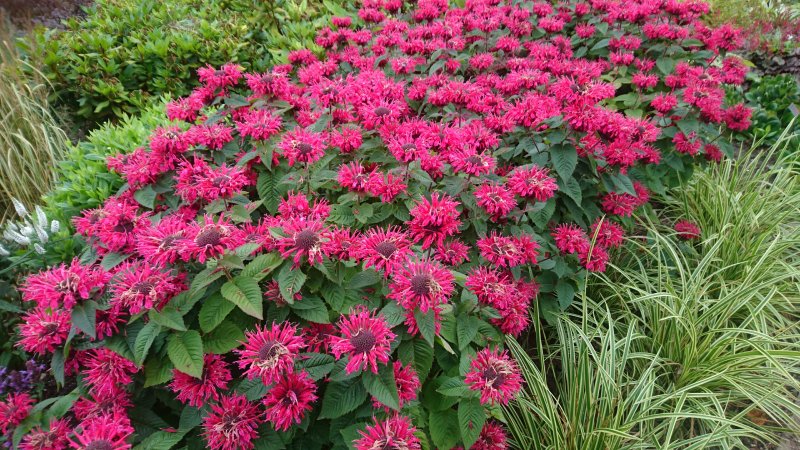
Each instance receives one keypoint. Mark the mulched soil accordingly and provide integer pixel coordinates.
(50, 13)
(778, 63)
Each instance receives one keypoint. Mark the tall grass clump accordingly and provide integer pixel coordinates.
(679, 344)
(30, 139)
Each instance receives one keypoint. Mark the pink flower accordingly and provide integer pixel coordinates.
(208, 240)
(496, 200)
(452, 252)
(421, 284)
(432, 221)
(533, 182)
(103, 432)
(232, 424)
(139, 287)
(492, 437)
(394, 432)
(303, 242)
(13, 410)
(64, 286)
(228, 75)
(494, 375)
(289, 399)
(570, 238)
(687, 230)
(365, 337)
(509, 251)
(52, 438)
(384, 250)
(212, 136)
(44, 329)
(354, 177)
(197, 391)
(259, 124)
(606, 233)
(159, 243)
(106, 371)
(270, 352)
(302, 146)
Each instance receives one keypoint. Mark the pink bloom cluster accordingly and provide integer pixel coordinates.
(423, 174)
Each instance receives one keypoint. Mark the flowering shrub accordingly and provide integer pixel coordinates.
(328, 254)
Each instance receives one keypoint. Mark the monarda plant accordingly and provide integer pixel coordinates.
(328, 254)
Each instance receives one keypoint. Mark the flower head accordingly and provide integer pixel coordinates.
(13, 410)
(52, 438)
(289, 400)
(269, 352)
(432, 221)
(365, 337)
(687, 230)
(384, 249)
(232, 424)
(103, 433)
(395, 432)
(494, 375)
(197, 391)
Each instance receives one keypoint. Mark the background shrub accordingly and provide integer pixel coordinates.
(775, 100)
(125, 52)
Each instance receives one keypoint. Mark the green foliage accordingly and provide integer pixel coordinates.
(775, 101)
(125, 52)
(84, 180)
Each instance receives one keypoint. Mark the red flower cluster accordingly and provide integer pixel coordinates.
(403, 192)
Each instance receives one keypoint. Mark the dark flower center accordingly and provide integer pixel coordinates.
(363, 341)
(125, 226)
(495, 377)
(306, 240)
(143, 287)
(67, 284)
(409, 146)
(386, 249)
(102, 444)
(382, 111)
(304, 148)
(421, 284)
(169, 241)
(219, 180)
(171, 135)
(269, 351)
(475, 160)
(208, 236)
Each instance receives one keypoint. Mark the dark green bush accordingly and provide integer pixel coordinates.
(125, 52)
(775, 101)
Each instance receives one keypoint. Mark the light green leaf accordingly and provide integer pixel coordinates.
(185, 350)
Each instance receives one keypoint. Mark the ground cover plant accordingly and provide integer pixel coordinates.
(329, 253)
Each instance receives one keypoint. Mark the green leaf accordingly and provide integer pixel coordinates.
(111, 260)
(342, 397)
(204, 278)
(383, 386)
(426, 322)
(665, 65)
(168, 317)
(453, 387)
(365, 278)
(471, 417)
(312, 309)
(565, 158)
(565, 292)
(393, 313)
(185, 350)
(572, 188)
(223, 339)
(83, 317)
(363, 212)
(318, 365)
(245, 293)
(419, 354)
(267, 187)
(157, 370)
(466, 330)
(57, 366)
(146, 196)
(213, 311)
(444, 428)
(161, 440)
(262, 265)
(144, 340)
(290, 281)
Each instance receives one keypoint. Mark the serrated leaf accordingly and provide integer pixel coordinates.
(146, 196)
(267, 187)
(157, 370)
(312, 309)
(261, 266)
(393, 313)
(83, 317)
(111, 260)
(382, 386)
(203, 279)
(342, 397)
(365, 278)
(444, 429)
(471, 417)
(168, 317)
(466, 330)
(290, 281)
(572, 188)
(161, 440)
(185, 350)
(565, 292)
(318, 365)
(213, 311)
(223, 339)
(564, 158)
(363, 212)
(426, 323)
(453, 387)
(144, 340)
(245, 293)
